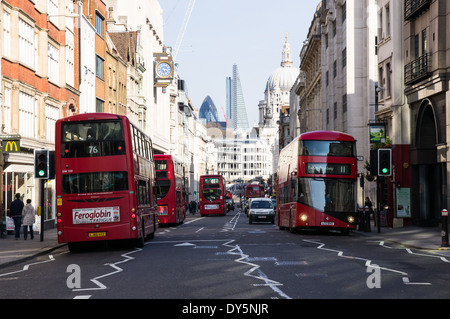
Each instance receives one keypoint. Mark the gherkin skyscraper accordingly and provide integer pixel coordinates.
(236, 110)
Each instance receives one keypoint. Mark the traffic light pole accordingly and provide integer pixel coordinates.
(41, 204)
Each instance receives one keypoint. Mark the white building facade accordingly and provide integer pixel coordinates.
(276, 98)
(146, 16)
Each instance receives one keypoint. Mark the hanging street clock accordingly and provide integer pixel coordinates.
(163, 70)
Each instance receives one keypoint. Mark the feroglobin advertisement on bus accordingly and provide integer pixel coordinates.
(96, 215)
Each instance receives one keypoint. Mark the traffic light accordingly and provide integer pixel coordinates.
(41, 164)
(385, 162)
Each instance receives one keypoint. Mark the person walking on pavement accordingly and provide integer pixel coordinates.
(29, 217)
(15, 212)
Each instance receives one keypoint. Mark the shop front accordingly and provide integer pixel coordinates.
(19, 178)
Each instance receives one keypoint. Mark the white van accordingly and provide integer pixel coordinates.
(261, 209)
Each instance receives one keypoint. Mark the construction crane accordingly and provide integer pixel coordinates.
(180, 36)
(225, 116)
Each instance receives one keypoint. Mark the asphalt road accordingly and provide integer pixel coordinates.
(224, 257)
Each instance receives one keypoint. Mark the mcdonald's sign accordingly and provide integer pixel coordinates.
(11, 146)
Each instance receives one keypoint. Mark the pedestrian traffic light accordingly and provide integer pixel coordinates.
(385, 162)
(41, 164)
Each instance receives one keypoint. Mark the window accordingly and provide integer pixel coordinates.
(26, 115)
(344, 12)
(92, 139)
(52, 8)
(388, 79)
(380, 80)
(388, 21)
(51, 116)
(143, 192)
(344, 57)
(99, 105)
(99, 24)
(344, 103)
(7, 110)
(335, 110)
(99, 67)
(95, 182)
(340, 194)
(424, 41)
(334, 69)
(53, 64)
(26, 43)
(327, 148)
(70, 58)
(69, 6)
(6, 34)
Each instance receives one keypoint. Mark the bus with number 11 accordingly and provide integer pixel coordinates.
(317, 182)
(105, 180)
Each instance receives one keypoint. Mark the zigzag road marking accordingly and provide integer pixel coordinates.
(26, 267)
(368, 263)
(117, 270)
(409, 251)
(243, 259)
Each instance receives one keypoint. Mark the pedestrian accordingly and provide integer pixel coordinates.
(29, 217)
(191, 207)
(15, 212)
(368, 204)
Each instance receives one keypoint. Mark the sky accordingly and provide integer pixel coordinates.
(248, 33)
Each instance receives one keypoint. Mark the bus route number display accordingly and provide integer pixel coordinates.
(328, 169)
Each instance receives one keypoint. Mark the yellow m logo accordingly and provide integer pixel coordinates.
(11, 146)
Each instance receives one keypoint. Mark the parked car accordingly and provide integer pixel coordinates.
(261, 209)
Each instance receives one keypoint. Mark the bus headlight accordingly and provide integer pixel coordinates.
(351, 219)
(303, 217)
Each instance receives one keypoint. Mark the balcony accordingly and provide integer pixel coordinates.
(414, 8)
(418, 69)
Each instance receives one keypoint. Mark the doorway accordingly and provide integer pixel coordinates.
(426, 171)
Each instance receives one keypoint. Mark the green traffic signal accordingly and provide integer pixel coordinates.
(384, 162)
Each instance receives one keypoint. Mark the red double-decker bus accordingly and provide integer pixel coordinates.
(317, 182)
(212, 195)
(105, 179)
(254, 190)
(170, 189)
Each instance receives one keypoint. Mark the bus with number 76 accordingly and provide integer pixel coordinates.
(105, 180)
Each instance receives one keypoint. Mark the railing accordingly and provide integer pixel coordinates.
(418, 69)
(414, 8)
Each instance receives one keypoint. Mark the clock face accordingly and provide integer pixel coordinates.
(163, 69)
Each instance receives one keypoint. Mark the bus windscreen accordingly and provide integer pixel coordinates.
(94, 182)
(92, 139)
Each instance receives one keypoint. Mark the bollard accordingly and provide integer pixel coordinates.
(367, 219)
(444, 232)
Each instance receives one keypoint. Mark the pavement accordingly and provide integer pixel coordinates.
(428, 239)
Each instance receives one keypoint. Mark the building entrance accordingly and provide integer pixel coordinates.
(426, 171)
